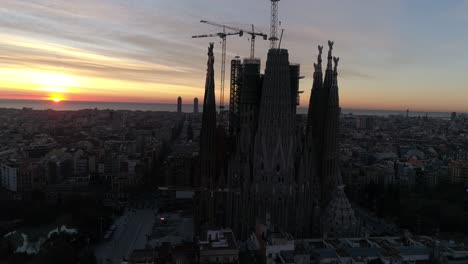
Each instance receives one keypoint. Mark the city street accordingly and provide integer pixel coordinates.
(131, 232)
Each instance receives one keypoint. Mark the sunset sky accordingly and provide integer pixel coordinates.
(394, 54)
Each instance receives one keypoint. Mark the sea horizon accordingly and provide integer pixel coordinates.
(187, 108)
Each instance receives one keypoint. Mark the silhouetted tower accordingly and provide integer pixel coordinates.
(249, 104)
(208, 129)
(339, 219)
(309, 182)
(331, 177)
(323, 103)
(195, 105)
(314, 114)
(179, 104)
(273, 185)
(207, 178)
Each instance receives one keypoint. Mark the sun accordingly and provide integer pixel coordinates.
(56, 99)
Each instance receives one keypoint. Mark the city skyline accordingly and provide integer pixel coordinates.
(142, 52)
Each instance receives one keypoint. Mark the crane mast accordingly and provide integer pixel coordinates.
(252, 44)
(274, 24)
(223, 71)
(223, 36)
(252, 33)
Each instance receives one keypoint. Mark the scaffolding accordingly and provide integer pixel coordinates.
(236, 84)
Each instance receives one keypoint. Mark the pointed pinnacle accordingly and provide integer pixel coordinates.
(319, 58)
(336, 60)
(330, 48)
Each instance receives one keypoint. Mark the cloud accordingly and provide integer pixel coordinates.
(144, 47)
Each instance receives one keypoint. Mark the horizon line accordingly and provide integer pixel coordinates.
(168, 103)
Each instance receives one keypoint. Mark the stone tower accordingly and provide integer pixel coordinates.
(313, 115)
(273, 179)
(330, 166)
(272, 188)
(207, 179)
(338, 219)
(309, 181)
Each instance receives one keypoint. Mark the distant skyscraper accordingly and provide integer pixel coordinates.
(195, 105)
(179, 104)
(453, 117)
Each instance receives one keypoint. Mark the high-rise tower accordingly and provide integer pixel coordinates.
(179, 104)
(195, 105)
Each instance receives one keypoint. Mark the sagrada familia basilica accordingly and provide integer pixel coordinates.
(272, 169)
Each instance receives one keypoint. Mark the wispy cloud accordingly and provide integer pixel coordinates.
(142, 50)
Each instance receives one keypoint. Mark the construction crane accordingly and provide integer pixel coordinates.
(223, 36)
(252, 34)
(274, 24)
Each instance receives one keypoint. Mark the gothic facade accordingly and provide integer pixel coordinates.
(279, 173)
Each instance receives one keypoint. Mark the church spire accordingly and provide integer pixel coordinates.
(274, 147)
(323, 99)
(208, 130)
(330, 56)
(319, 60)
(331, 176)
(329, 71)
(313, 114)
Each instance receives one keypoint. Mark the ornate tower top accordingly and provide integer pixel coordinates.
(210, 54)
(336, 60)
(315, 113)
(318, 66)
(330, 49)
